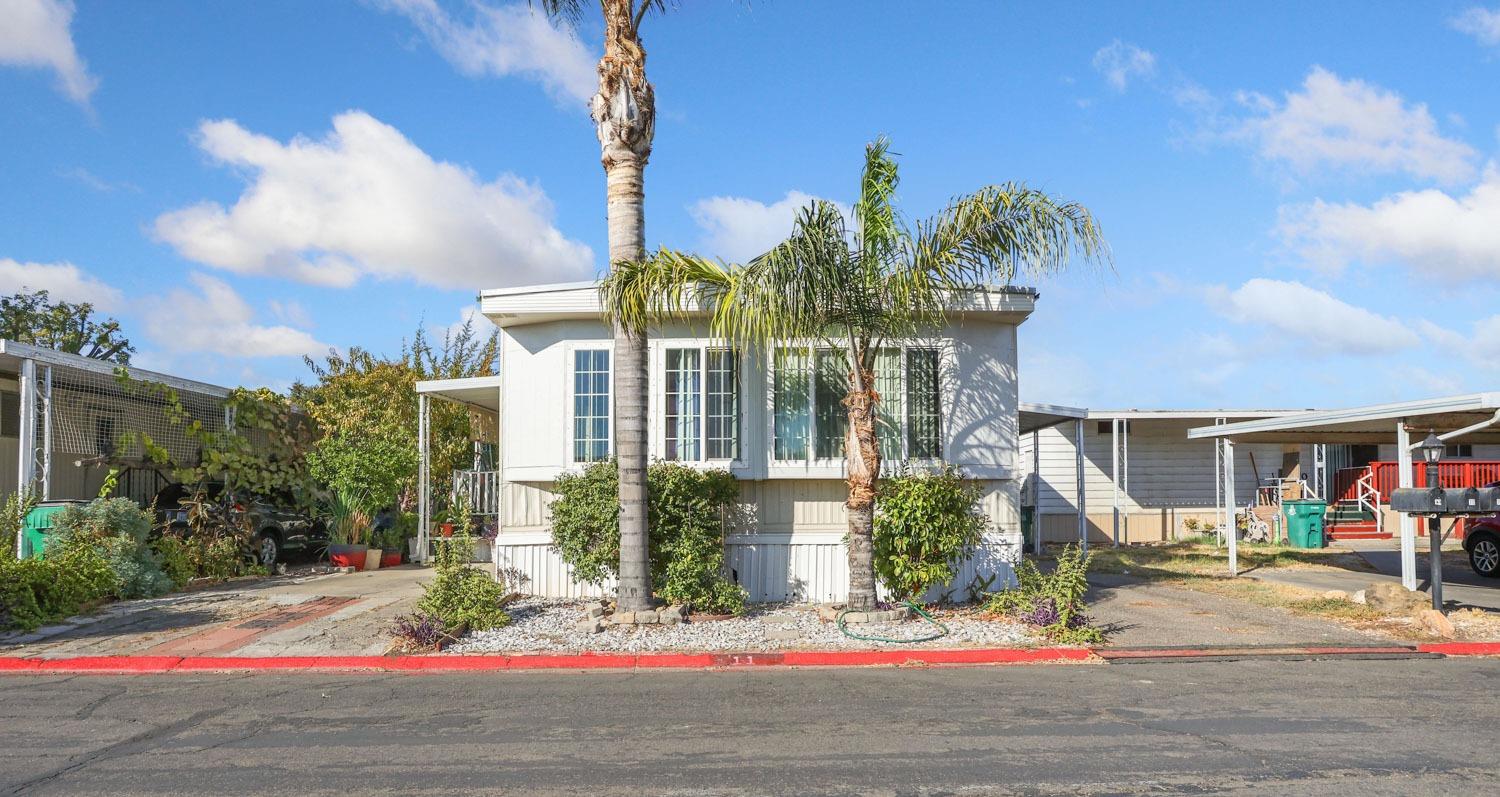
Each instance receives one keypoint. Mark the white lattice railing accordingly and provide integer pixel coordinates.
(483, 489)
(1369, 498)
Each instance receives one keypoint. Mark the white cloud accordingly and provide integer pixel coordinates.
(1481, 23)
(366, 201)
(62, 281)
(1303, 319)
(506, 40)
(215, 319)
(1119, 62)
(1352, 125)
(1431, 230)
(737, 229)
(36, 35)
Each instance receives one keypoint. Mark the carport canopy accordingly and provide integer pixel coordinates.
(478, 392)
(1474, 418)
(1033, 419)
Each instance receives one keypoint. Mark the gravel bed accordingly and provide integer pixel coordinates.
(544, 624)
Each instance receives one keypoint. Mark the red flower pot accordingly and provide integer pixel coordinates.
(390, 558)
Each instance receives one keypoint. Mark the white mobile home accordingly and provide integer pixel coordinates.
(1143, 477)
(771, 420)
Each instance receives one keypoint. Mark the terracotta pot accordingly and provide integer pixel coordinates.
(447, 529)
(372, 558)
(341, 555)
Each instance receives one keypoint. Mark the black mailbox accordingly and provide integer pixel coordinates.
(1419, 501)
(1462, 501)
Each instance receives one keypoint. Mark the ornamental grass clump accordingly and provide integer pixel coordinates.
(1052, 603)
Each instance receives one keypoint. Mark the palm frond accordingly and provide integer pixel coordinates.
(568, 11)
(999, 232)
(875, 216)
(665, 286)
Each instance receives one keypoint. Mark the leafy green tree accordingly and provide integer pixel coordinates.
(73, 328)
(368, 403)
(624, 114)
(854, 287)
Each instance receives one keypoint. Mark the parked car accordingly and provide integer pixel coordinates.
(280, 528)
(1482, 542)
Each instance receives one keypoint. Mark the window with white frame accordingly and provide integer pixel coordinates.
(700, 391)
(590, 405)
(809, 418)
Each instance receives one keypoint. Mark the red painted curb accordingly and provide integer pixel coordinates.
(17, 665)
(1462, 648)
(823, 658)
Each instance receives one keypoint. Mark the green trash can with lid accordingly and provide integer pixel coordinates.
(1304, 522)
(38, 525)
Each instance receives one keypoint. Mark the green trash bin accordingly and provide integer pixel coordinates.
(1304, 522)
(37, 525)
(1028, 526)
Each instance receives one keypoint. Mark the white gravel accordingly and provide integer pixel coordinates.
(542, 624)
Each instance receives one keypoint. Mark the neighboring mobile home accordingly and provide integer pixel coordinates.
(63, 416)
(773, 421)
(1144, 478)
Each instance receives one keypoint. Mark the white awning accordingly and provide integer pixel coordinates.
(1372, 424)
(482, 392)
(1041, 416)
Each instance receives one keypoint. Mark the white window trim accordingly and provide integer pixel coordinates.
(657, 425)
(569, 358)
(944, 347)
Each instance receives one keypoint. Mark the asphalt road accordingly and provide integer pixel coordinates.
(1265, 727)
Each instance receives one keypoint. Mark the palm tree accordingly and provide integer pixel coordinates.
(624, 112)
(855, 289)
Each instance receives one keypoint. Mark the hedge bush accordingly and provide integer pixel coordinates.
(119, 531)
(461, 595)
(926, 526)
(687, 516)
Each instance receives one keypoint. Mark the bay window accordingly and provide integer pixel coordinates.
(809, 420)
(701, 412)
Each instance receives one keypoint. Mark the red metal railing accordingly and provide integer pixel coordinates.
(1457, 473)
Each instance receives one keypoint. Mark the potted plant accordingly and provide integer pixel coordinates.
(347, 526)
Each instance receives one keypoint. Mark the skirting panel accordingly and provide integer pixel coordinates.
(771, 568)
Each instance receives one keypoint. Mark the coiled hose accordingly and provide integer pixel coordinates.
(942, 629)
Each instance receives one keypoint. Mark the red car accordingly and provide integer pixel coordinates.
(1483, 544)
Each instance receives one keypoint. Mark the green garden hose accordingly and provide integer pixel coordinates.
(942, 632)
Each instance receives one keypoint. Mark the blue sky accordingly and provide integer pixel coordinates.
(1302, 199)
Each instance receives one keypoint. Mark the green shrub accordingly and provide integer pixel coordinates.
(462, 595)
(926, 525)
(176, 561)
(1052, 602)
(687, 517)
(12, 518)
(34, 592)
(119, 531)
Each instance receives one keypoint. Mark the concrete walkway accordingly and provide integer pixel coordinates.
(1462, 587)
(1141, 613)
(334, 614)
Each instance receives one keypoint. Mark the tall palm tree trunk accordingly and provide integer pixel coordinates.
(862, 468)
(625, 112)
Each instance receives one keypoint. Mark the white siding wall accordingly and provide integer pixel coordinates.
(1166, 470)
(792, 549)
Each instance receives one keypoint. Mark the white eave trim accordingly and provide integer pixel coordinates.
(1473, 402)
(1206, 415)
(26, 351)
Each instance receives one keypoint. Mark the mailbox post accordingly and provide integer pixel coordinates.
(1432, 453)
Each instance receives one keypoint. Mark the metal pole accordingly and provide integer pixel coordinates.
(26, 442)
(1125, 469)
(1083, 517)
(1408, 523)
(47, 433)
(1435, 543)
(1114, 476)
(424, 487)
(1231, 533)
(1036, 491)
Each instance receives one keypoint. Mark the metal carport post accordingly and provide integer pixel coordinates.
(1033, 418)
(1474, 417)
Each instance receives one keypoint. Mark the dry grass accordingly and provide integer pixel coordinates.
(1176, 560)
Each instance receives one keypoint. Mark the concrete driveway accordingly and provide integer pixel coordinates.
(333, 614)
